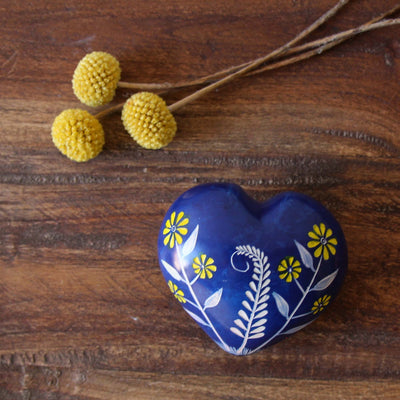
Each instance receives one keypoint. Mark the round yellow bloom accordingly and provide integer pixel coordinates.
(147, 119)
(96, 78)
(77, 134)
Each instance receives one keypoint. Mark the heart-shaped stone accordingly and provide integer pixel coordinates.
(251, 273)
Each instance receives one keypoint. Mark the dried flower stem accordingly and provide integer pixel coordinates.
(315, 47)
(327, 43)
(254, 64)
(109, 110)
(334, 40)
(227, 72)
(336, 36)
(294, 50)
(157, 86)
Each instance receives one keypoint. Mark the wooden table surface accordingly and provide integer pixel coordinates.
(85, 313)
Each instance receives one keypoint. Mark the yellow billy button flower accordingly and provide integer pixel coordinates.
(77, 134)
(148, 120)
(96, 78)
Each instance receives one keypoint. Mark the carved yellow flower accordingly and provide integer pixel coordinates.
(177, 292)
(204, 267)
(320, 304)
(322, 241)
(175, 229)
(290, 269)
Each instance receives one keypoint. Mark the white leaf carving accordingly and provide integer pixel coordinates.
(237, 332)
(296, 328)
(196, 318)
(261, 314)
(213, 300)
(190, 243)
(264, 298)
(305, 256)
(261, 306)
(253, 286)
(261, 321)
(282, 305)
(257, 330)
(266, 282)
(265, 291)
(172, 271)
(240, 323)
(243, 315)
(246, 305)
(250, 295)
(325, 282)
(257, 335)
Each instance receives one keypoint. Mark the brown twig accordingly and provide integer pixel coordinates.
(109, 110)
(326, 39)
(327, 43)
(294, 50)
(228, 71)
(339, 38)
(314, 44)
(254, 64)
(317, 47)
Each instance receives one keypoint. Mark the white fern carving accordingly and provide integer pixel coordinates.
(251, 324)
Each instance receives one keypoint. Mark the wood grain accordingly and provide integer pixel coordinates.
(84, 311)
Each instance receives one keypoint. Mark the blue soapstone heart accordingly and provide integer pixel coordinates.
(251, 273)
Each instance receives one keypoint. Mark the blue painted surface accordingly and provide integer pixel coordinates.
(223, 256)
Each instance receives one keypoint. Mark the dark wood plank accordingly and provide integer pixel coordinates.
(84, 311)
